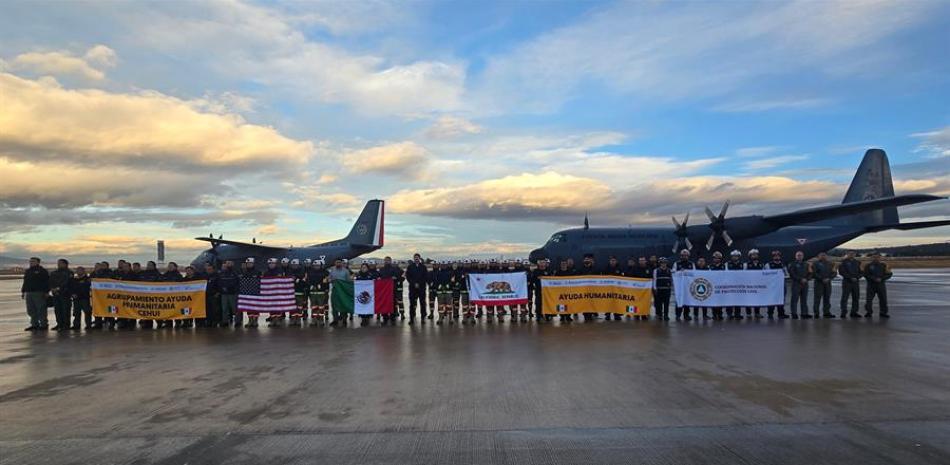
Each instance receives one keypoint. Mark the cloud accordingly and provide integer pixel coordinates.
(776, 104)
(64, 63)
(447, 127)
(41, 120)
(772, 162)
(643, 49)
(936, 142)
(398, 159)
(551, 196)
(28, 219)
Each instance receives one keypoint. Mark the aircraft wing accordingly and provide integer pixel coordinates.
(908, 226)
(216, 242)
(811, 215)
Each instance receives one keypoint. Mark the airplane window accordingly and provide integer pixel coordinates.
(559, 237)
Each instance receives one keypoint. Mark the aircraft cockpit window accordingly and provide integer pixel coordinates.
(559, 237)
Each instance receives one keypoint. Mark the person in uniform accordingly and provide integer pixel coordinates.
(390, 271)
(319, 281)
(777, 264)
(455, 285)
(717, 312)
(440, 286)
(34, 291)
(663, 286)
(171, 274)
(613, 269)
(80, 289)
(212, 297)
(850, 271)
(641, 269)
(564, 269)
(249, 271)
(274, 270)
(102, 271)
(432, 280)
(416, 274)
(588, 267)
(535, 279)
(59, 288)
(190, 275)
(339, 272)
(684, 263)
(717, 265)
(301, 296)
(753, 264)
(229, 285)
(152, 275)
(876, 273)
(307, 268)
(365, 273)
(799, 272)
(823, 272)
(735, 264)
(465, 304)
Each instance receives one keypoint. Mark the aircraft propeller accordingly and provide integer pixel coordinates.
(681, 233)
(718, 226)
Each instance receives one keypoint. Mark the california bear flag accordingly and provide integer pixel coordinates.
(363, 296)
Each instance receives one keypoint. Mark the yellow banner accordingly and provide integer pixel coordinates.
(148, 301)
(596, 294)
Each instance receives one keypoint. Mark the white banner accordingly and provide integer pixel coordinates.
(732, 288)
(498, 288)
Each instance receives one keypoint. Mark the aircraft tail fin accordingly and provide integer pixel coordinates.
(871, 181)
(368, 230)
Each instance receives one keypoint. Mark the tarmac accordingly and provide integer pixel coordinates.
(771, 392)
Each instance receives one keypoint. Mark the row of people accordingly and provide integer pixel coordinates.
(439, 288)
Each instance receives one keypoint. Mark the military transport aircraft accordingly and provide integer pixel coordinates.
(366, 236)
(869, 206)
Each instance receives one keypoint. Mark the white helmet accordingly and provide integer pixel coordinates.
(249, 260)
(295, 261)
(735, 253)
(318, 262)
(754, 252)
(307, 261)
(717, 254)
(271, 260)
(284, 261)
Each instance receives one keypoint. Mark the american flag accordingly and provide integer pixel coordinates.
(266, 294)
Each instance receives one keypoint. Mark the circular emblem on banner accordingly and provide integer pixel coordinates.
(364, 298)
(701, 289)
(361, 229)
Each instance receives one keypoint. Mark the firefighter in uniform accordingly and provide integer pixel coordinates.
(613, 269)
(432, 279)
(535, 278)
(171, 275)
(273, 270)
(468, 313)
(564, 269)
(735, 263)
(390, 271)
(753, 264)
(683, 263)
(776, 264)
(876, 273)
(717, 265)
(319, 281)
(416, 277)
(247, 271)
(799, 272)
(587, 268)
(663, 284)
(641, 270)
(717, 312)
(823, 272)
(850, 271)
(300, 291)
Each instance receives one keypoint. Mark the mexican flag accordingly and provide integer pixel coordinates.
(363, 296)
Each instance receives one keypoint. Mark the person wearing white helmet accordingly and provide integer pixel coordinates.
(684, 263)
(468, 313)
(389, 270)
(248, 272)
(754, 264)
(443, 287)
(319, 282)
(734, 263)
(301, 294)
(273, 270)
(534, 289)
(432, 277)
(717, 264)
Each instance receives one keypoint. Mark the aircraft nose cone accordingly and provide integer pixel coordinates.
(537, 254)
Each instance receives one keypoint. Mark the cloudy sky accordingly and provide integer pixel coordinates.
(485, 126)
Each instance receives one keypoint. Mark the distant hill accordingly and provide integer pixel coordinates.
(12, 261)
(939, 249)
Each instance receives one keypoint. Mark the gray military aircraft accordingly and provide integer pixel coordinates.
(366, 236)
(869, 206)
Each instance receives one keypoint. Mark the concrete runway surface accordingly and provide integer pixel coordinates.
(802, 392)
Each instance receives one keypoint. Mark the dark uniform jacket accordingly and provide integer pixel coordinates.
(103, 273)
(534, 278)
(150, 275)
(416, 274)
(717, 266)
(171, 276)
(613, 270)
(663, 279)
(822, 270)
(640, 272)
(35, 279)
(229, 283)
(734, 265)
(799, 270)
(754, 265)
(775, 265)
(80, 288)
(683, 265)
(316, 278)
(850, 269)
(272, 272)
(879, 270)
(59, 280)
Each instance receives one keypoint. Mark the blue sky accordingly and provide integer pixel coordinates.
(484, 125)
